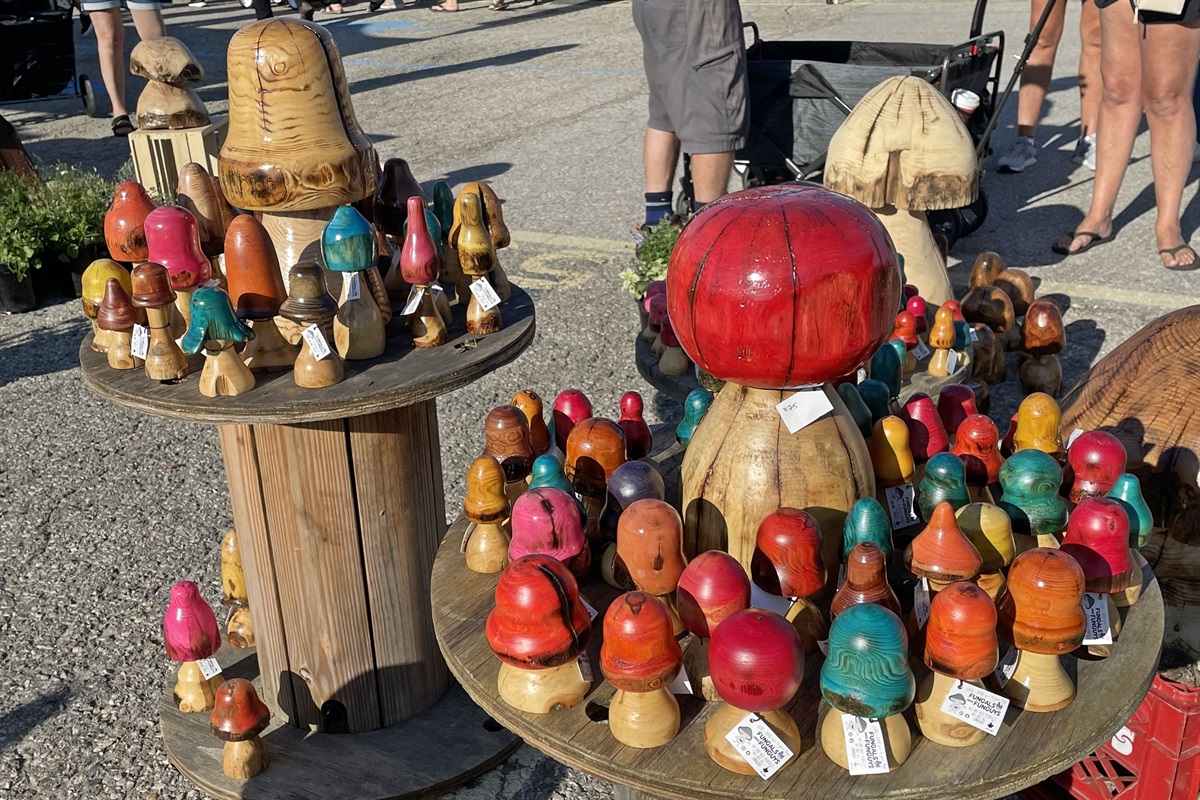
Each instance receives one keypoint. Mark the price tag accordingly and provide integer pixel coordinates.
(209, 668)
(865, 748)
(140, 343)
(921, 351)
(353, 286)
(759, 745)
(977, 707)
(585, 666)
(437, 289)
(974, 335)
(951, 362)
(211, 283)
(316, 342)
(1075, 434)
(804, 408)
(770, 602)
(860, 376)
(682, 684)
(485, 295)
(1006, 667)
(823, 646)
(1098, 630)
(466, 537)
(414, 299)
(921, 602)
(900, 505)
(592, 612)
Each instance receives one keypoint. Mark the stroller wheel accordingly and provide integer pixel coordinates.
(87, 94)
(946, 223)
(972, 217)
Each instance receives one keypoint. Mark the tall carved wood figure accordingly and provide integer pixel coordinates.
(640, 657)
(742, 463)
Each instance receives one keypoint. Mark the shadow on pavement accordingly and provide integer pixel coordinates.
(15, 724)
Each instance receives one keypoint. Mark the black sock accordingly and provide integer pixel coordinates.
(658, 206)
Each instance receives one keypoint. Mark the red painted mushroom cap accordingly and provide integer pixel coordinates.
(712, 586)
(955, 403)
(960, 637)
(1098, 538)
(905, 329)
(1097, 459)
(639, 652)
(539, 621)
(789, 555)
(926, 434)
(916, 307)
(756, 660)
(666, 333)
(190, 630)
(173, 240)
(238, 714)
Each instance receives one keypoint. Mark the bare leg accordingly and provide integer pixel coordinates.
(710, 175)
(149, 24)
(659, 156)
(1169, 55)
(1035, 80)
(1120, 114)
(110, 42)
(1090, 82)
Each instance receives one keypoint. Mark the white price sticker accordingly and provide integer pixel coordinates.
(485, 295)
(921, 602)
(974, 335)
(585, 666)
(759, 745)
(353, 286)
(209, 668)
(140, 343)
(770, 602)
(682, 684)
(921, 351)
(804, 408)
(1099, 629)
(316, 342)
(414, 299)
(592, 612)
(865, 749)
(823, 646)
(951, 362)
(975, 706)
(900, 501)
(1007, 666)
(1075, 434)
(211, 283)
(860, 376)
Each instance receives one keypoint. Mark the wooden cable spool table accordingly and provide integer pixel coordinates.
(337, 500)
(1029, 748)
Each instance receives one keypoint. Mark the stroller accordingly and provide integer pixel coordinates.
(800, 93)
(37, 53)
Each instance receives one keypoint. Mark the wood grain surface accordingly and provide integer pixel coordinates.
(403, 375)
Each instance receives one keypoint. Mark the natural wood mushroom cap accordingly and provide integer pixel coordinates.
(1044, 333)
(1018, 285)
(166, 60)
(988, 265)
(161, 105)
(238, 715)
(485, 500)
(151, 285)
(197, 192)
(991, 306)
(308, 299)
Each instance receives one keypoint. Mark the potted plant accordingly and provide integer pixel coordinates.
(20, 243)
(70, 207)
(652, 251)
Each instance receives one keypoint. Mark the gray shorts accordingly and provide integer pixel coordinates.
(134, 5)
(695, 63)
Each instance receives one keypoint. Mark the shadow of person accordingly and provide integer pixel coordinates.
(15, 724)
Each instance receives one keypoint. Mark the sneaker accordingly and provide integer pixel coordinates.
(197, 4)
(1022, 154)
(1085, 152)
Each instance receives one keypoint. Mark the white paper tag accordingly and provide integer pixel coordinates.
(485, 295)
(759, 745)
(921, 602)
(977, 707)
(466, 537)
(437, 289)
(804, 408)
(682, 684)
(209, 668)
(865, 749)
(1075, 434)
(951, 362)
(414, 299)
(860, 376)
(140, 344)
(316, 342)
(769, 602)
(974, 335)
(585, 666)
(1122, 741)
(211, 283)
(1098, 630)
(592, 612)
(900, 505)
(1007, 666)
(353, 287)
(823, 646)
(921, 351)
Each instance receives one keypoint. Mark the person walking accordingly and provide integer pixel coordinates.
(1035, 82)
(105, 16)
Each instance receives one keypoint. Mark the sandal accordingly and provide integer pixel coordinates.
(1174, 251)
(333, 8)
(1063, 246)
(121, 126)
(382, 5)
(440, 7)
(499, 5)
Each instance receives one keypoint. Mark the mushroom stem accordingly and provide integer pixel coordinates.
(296, 235)
(164, 360)
(480, 322)
(242, 760)
(540, 691)
(120, 355)
(923, 263)
(268, 351)
(428, 327)
(224, 374)
(195, 694)
(100, 338)
(644, 719)
(727, 717)
(239, 631)
(809, 622)
(358, 330)
(487, 548)
(313, 374)
(183, 303)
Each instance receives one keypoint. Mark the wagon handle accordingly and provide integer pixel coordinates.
(977, 18)
(753, 26)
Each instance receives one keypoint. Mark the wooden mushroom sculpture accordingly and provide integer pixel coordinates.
(904, 151)
(892, 461)
(1044, 337)
(125, 223)
(546, 521)
(167, 101)
(571, 407)
(493, 221)
(789, 562)
(977, 443)
(237, 718)
(239, 628)
(190, 634)
(537, 629)
(310, 306)
(955, 403)
(397, 187)
(477, 260)
(640, 657)
(868, 521)
(866, 581)
(530, 403)
(215, 328)
(1030, 481)
(116, 317)
(743, 462)
(711, 587)
(506, 439)
(695, 406)
(486, 507)
(1037, 426)
(595, 448)
(1097, 537)
(419, 266)
(638, 441)
(1128, 492)
(173, 240)
(989, 529)
(348, 246)
(945, 481)
(940, 553)
(199, 193)
(1097, 460)
(94, 286)
(630, 482)
(256, 289)
(650, 545)
(152, 291)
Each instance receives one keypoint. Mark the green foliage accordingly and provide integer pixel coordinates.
(652, 251)
(20, 237)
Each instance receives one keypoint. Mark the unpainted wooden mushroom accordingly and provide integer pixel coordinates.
(168, 101)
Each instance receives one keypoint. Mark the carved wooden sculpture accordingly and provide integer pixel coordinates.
(917, 306)
(190, 634)
(653, 289)
(891, 457)
(486, 506)
(125, 223)
(1128, 492)
(1098, 538)
(595, 448)
(506, 439)
(658, 316)
(866, 581)
(198, 193)
(904, 329)
(955, 403)
(650, 544)
(632, 481)
(530, 403)
(116, 317)
(990, 306)
(927, 434)
(960, 645)
(239, 628)
(945, 481)
(1044, 338)
(571, 407)
(756, 663)
(397, 187)
(789, 561)
(1041, 614)
(256, 289)
(173, 240)
(419, 266)
(215, 328)
(638, 441)
(477, 259)
(493, 222)
(989, 365)
(711, 587)
(548, 471)
(987, 267)
(237, 718)
(1038, 425)
(310, 305)
(546, 521)
(1097, 459)
(537, 629)
(989, 529)
(1030, 481)
(695, 406)
(886, 366)
(167, 101)
(93, 286)
(977, 443)
(867, 521)
(903, 151)
(941, 339)
(1017, 284)
(348, 246)
(941, 553)
(867, 675)
(640, 657)
(742, 463)
(152, 291)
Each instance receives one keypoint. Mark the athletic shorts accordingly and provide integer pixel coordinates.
(695, 63)
(1191, 11)
(132, 5)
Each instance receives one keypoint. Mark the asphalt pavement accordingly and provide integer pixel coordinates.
(102, 509)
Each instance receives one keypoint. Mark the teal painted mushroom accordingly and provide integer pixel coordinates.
(866, 673)
(1030, 480)
(213, 319)
(348, 243)
(868, 521)
(886, 366)
(877, 396)
(901, 350)
(694, 408)
(349, 246)
(443, 206)
(945, 481)
(547, 471)
(857, 408)
(1128, 492)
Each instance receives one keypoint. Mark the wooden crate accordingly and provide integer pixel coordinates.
(158, 155)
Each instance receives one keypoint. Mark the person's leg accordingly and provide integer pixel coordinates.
(148, 22)
(110, 46)
(1118, 119)
(262, 9)
(659, 24)
(660, 154)
(710, 175)
(1035, 80)
(1169, 55)
(1091, 82)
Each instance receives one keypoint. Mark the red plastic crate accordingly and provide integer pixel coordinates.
(1156, 756)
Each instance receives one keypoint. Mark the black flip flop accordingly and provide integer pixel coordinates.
(1093, 240)
(121, 126)
(1172, 251)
